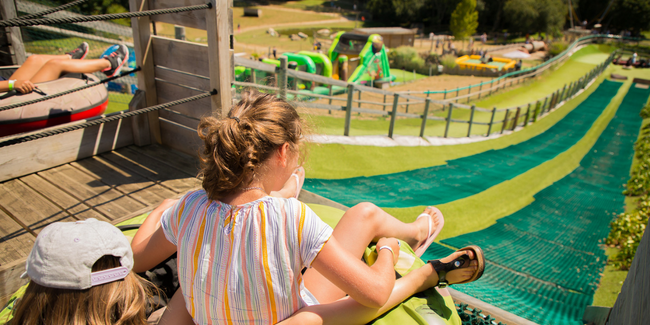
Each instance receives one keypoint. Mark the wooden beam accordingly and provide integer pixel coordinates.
(144, 60)
(219, 55)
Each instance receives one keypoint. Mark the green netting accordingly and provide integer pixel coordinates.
(468, 175)
(545, 259)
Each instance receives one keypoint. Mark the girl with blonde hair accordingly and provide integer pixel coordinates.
(80, 274)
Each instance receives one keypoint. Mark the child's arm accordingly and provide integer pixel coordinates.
(369, 286)
(21, 86)
(150, 246)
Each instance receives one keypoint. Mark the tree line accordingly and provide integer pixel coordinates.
(516, 16)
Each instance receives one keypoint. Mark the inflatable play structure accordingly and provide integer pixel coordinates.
(364, 55)
(67, 108)
(474, 61)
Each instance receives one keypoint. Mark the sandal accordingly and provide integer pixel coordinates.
(432, 236)
(463, 261)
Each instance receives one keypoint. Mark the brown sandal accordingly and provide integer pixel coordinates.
(463, 261)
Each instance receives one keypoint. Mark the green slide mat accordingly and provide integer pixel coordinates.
(470, 175)
(544, 260)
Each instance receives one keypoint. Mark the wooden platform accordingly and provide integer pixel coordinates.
(113, 187)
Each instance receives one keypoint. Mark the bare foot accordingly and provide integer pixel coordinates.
(459, 275)
(426, 229)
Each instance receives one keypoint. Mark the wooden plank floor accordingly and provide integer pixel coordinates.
(113, 187)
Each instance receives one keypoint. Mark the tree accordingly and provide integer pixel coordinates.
(631, 14)
(529, 16)
(464, 20)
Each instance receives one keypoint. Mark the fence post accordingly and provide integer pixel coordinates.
(445, 97)
(384, 102)
(331, 93)
(527, 115)
(407, 105)
(563, 93)
(536, 112)
(359, 99)
(505, 120)
(469, 92)
(514, 125)
(471, 120)
(393, 116)
(427, 102)
(494, 111)
(254, 75)
(480, 87)
(348, 109)
(457, 91)
(451, 108)
(282, 77)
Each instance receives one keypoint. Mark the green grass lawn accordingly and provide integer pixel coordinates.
(343, 161)
(274, 17)
(577, 66)
(406, 76)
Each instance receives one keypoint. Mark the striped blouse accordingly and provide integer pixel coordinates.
(241, 264)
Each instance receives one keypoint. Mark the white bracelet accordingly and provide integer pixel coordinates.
(388, 248)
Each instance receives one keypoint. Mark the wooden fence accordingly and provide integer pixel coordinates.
(421, 108)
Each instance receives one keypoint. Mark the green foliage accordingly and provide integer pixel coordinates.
(627, 231)
(407, 58)
(464, 20)
(631, 14)
(556, 48)
(448, 61)
(536, 15)
(395, 11)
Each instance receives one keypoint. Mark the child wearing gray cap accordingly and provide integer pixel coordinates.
(80, 273)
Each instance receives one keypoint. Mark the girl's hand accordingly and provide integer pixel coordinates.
(23, 86)
(393, 243)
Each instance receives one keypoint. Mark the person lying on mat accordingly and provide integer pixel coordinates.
(41, 68)
(241, 252)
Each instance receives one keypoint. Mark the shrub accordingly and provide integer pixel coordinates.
(448, 61)
(407, 58)
(430, 58)
(556, 48)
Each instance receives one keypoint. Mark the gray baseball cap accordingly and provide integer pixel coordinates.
(64, 254)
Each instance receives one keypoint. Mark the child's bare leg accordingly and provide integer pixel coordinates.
(34, 63)
(360, 225)
(54, 68)
(348, 311)
(292, 186)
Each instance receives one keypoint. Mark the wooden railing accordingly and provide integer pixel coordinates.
(420, 107)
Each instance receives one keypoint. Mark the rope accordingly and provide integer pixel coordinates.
(85, 19)
(46, 12)
(101, 120)
(38, 100)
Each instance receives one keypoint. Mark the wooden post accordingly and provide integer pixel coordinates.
(393, 115)
(469, 92)
(514, 124)
(254, 75)
(427, 102)
(140, 124)
(218, 25)
(471, 120)
(451, 108)
(348, 109)
(536, 112)
(384, 107)
(544, 105)
(359, 99)
(179, 33)
(562, 94)
(494, 111)
(479, 90)
(457, 91)
(15, 38)
(527, 115)
(505, 121)
(282, 77)
(445, 96)
(407, 105)
(144, 59)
